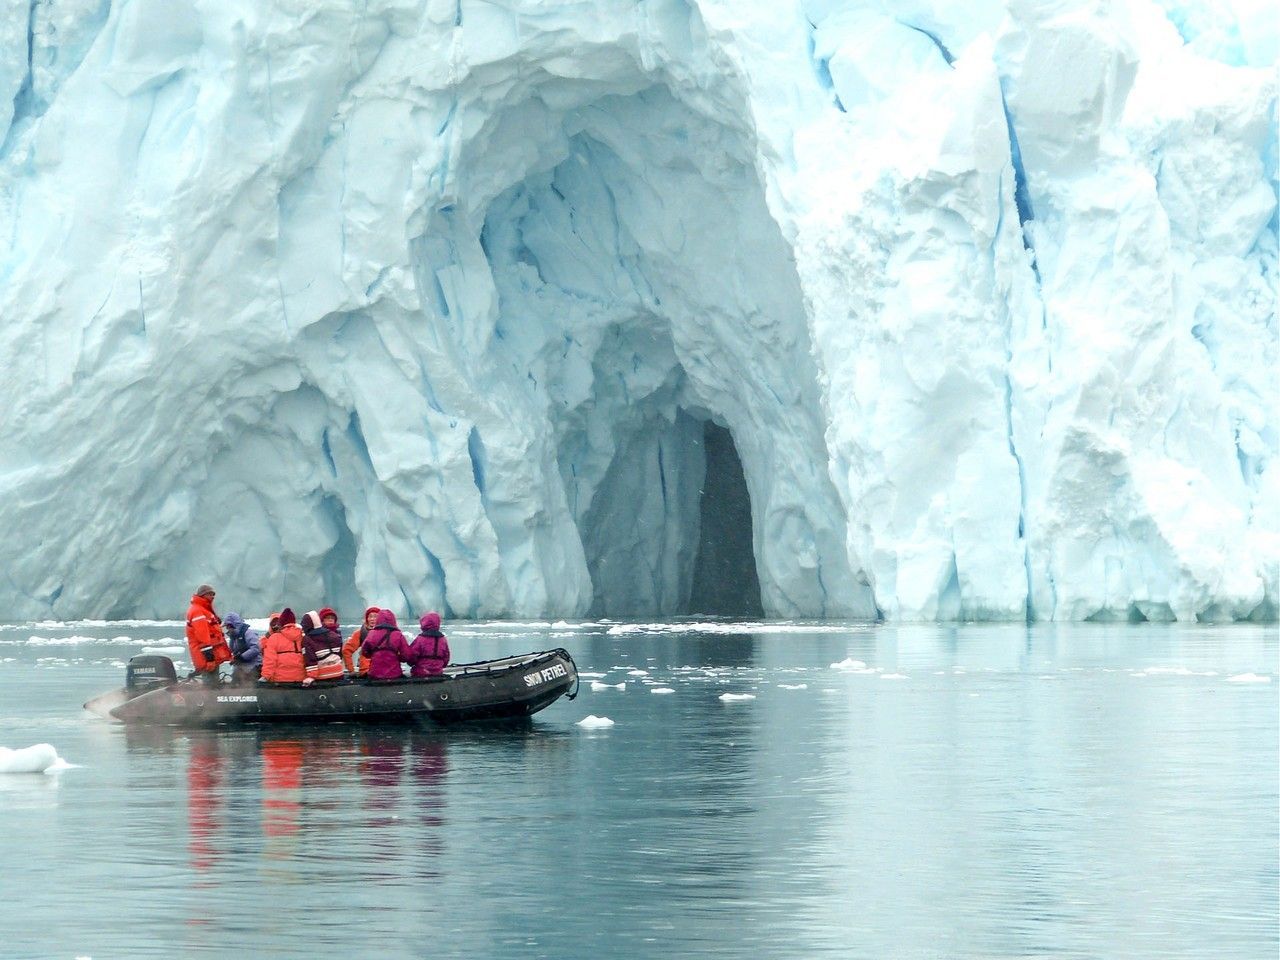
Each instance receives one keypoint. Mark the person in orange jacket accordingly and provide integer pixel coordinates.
(356, 639)
(204, 634)
(282, 657)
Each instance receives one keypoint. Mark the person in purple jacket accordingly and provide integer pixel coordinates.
(429, 652)
(385, 648)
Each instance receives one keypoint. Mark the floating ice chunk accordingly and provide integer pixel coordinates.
(849, 663)
(894, 676)
(1165, 671)
(589, 676)
(80, 624)
(730, 629)
(662, 690)
(592, 722)
(163, 651)
(637, 673)
(731, 697)
(794, 686)
(36, 641)
(41, 758)
(1249, 678)
(597, 685)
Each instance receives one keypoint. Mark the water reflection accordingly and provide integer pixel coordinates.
(206, 770)
(1095, 791)
(287, 794)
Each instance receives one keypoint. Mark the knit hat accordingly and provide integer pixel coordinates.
(205, 590)
(326, 612)
(287, 617)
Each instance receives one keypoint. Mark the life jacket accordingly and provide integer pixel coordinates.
(428, 660)
(323, 649)
(282, 656)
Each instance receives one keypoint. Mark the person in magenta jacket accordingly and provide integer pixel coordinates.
(385, 648)
(429, 652)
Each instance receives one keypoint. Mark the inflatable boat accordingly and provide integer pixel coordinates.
(511, 687)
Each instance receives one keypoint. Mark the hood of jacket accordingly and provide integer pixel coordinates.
(234, 622)
(387, 619)
(430, 622)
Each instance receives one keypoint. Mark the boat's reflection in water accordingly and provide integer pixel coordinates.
(300, 800)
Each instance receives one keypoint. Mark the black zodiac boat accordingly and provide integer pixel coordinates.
(511, 687)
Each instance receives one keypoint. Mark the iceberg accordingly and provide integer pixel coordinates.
(916, 311)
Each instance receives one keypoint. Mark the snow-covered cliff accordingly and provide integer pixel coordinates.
(917, 309)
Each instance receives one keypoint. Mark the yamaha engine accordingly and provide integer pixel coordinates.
(147, 672)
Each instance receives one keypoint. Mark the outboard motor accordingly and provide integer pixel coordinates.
(148, 671)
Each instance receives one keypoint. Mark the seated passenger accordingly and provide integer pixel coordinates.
(322, 648)
(282, 656)
(429, 652)
(385, 648)
(358, 637)
(246, 649)
(329, 617)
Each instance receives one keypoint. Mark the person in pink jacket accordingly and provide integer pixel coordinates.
(385, 648)
(429, 652)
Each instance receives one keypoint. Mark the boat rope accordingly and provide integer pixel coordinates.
(577, 681)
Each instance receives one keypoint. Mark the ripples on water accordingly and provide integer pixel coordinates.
(972, 792)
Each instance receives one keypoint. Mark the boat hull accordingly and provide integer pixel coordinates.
(491, 690)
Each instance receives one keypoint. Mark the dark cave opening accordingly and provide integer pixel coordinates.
(725, 583)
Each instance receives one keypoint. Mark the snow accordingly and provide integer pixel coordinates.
(431, 306)
(41, 758)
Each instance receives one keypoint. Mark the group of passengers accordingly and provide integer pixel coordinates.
(313, 649)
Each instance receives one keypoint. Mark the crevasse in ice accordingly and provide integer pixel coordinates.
(922, 310)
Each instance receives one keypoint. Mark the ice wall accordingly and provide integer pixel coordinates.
(428, 304)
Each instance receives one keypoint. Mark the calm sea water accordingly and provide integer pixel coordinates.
(974, 792)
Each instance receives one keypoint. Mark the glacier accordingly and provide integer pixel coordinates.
(908, 310)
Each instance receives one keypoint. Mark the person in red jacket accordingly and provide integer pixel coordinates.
(429, 651)
(385, 648)
(282, 656)
(357, 638)
(321, 648)
(204, 634)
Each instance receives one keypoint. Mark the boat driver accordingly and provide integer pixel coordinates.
(204, 635)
